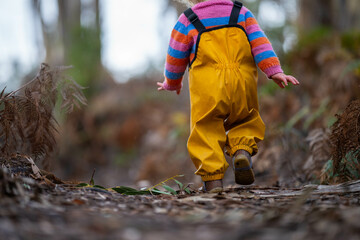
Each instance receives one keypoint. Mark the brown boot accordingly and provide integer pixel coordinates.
(242, 165)
(215, 186)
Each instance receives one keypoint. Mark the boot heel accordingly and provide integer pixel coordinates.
(244, 173)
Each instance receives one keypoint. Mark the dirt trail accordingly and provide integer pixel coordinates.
(29, 210)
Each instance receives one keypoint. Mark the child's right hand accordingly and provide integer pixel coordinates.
(161, 88)
(282, 79)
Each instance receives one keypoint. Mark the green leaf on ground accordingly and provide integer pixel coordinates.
(169, 189)
(157, 191)
(179, 183)
(129, 191)
(82, 185)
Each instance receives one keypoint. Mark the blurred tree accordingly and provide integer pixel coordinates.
(327, 53)
(76, 40)
(70, 23)
(341, 15)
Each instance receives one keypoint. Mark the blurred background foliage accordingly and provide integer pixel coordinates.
(132, 134)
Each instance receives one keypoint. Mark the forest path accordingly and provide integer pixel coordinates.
(252, 212)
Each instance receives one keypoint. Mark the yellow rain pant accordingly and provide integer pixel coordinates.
(224, 105)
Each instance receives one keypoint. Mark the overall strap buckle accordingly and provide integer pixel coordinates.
(238, 4)
(234, 16)
(194, 19)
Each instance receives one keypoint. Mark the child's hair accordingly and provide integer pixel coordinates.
(190, 3)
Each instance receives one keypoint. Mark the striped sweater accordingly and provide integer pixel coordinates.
(214, 13)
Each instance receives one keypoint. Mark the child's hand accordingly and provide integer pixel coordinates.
(282, 79)
(161, 88)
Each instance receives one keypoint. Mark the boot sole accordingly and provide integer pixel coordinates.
(216, 190)
(243, 177)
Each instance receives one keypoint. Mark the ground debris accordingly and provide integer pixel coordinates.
(30, 211)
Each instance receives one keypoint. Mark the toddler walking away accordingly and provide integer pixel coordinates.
(222, 43)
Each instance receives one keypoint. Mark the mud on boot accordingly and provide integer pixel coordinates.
(243, 170)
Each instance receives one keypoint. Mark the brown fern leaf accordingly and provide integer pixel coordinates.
(320, 152)
(71, 93)
(27, 123)
(2, 93)
(8, 117)
(345, 136)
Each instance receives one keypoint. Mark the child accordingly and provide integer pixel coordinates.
(222, 43)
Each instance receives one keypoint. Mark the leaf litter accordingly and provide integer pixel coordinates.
(31, 208)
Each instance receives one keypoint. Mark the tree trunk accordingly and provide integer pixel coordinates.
(341, 15)
(69, 21)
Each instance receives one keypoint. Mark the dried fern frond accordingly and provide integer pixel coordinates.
(320, 152)
(27, 123)
(345, 144)
(345, 136)
(348, 169)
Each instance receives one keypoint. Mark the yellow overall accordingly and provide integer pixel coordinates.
(224, 104)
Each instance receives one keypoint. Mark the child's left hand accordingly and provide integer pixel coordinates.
(282, 79)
